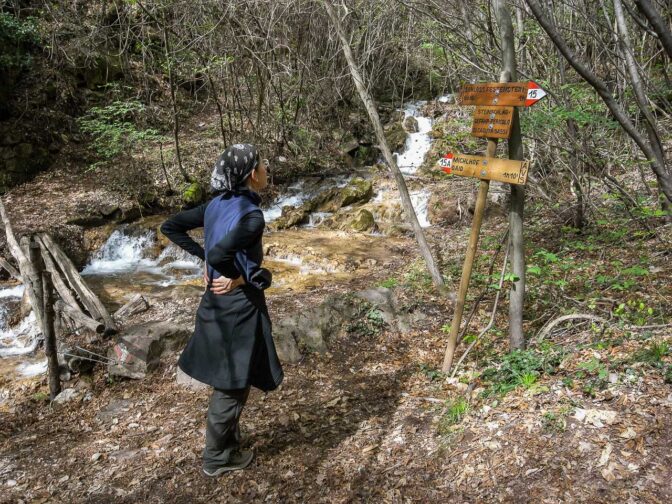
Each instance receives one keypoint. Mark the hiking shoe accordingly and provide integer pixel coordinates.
(239, 460)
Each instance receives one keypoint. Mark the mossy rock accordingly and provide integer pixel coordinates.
(363, 221)
(193, 195)
(395, 134)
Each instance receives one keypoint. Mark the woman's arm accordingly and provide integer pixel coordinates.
(175, 228)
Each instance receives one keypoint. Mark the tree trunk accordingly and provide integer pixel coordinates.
(657, 23)
(663, 175)
(385, 148)
(79, 317)
(50, 336)
(173, 101)
(516, 240)
(638, 87)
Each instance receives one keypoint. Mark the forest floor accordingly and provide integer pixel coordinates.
(583, 415)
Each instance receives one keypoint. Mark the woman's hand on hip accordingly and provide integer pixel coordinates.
(223, 285)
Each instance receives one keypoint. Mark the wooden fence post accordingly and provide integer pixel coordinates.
(50, 335)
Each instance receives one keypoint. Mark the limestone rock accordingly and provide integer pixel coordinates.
(187, 381)
(363, 221)
(140, 347)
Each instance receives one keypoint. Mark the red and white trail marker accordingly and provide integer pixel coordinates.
(534, 93)
(446, 163)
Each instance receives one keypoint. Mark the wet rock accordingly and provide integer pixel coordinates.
(363, 221)
(395, 134)
(140, 347)
(357, 191)
(411, 125)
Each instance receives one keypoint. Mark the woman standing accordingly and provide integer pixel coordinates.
(232, 346)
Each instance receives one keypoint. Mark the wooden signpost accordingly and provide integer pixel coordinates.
(492, 122)
(493, 119)
(501, 170)
(516, 94)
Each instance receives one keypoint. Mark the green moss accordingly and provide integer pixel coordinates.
(193, 195)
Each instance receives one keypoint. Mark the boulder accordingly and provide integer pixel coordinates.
(391, 309)
(187, 381)
(140, 347)
(358, 190)
(395, 134)
(411, 125)
(313, 329)
(363, 221)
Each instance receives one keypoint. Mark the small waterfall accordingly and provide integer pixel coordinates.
(417, 144)
(121, 253)
(22, 338)
(316, 218)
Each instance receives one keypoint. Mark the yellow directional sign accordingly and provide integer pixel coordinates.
(492, 122)
(501, 170)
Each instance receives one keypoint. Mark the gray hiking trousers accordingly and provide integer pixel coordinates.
(222, 434)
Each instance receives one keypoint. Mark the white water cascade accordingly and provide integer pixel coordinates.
(417, 144)
(125, 253)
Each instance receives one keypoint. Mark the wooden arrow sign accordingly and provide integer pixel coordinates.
(515, 94)
(501, 170)
(492, 122)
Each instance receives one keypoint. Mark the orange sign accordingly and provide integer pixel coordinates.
(492, 122)
(501, 170)
(515, 94)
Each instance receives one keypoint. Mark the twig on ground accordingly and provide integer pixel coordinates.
(546, 330)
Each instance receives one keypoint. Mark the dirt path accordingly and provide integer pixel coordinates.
(358, 425)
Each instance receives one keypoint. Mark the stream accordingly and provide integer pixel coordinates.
(132, 261)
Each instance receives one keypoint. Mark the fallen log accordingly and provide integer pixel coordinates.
(60, 286)
(90, 301)
(13, 272)
(29, 274)
(137, 304)
(79, 317)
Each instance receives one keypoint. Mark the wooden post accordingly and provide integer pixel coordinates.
(468, 263)
(50, 335)
(33, 277)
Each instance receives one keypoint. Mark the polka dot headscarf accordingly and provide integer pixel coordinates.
(233, 167)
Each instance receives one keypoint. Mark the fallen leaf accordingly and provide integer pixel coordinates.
(604, 458)
(628, 433)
